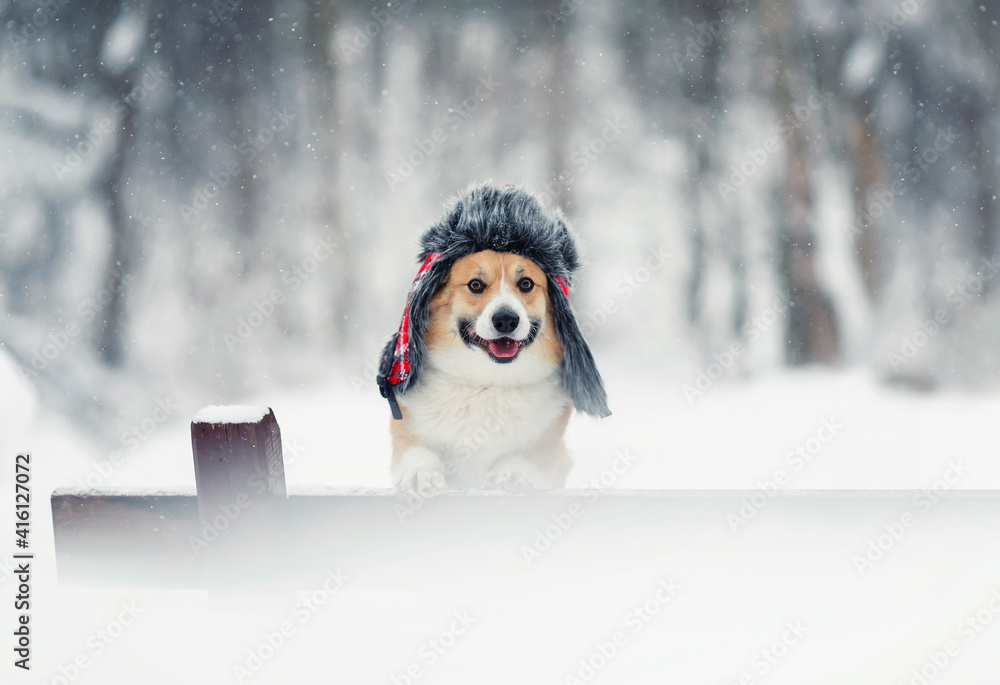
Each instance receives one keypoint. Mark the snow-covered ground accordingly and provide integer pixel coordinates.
(779, 602)
(824, 429)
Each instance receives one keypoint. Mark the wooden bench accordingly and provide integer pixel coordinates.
(241, 528)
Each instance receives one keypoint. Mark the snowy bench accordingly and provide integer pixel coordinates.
(240, 527)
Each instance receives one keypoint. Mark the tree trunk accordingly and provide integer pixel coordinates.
(559, 107)
(113, 188)
(110, 341)
(812, 327)
(323, 19)
(866, 173)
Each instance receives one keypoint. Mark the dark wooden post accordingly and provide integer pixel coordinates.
(241, 489)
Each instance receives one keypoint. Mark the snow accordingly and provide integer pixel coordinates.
(728, 439)
(836, 446)
(18, 405)
(736, 596)
(236, 413)
(863, 61)
(127, 491)
(123, 42)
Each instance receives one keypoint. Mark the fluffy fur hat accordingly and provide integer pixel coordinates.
(502, 219)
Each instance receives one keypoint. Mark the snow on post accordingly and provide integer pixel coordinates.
(232, 413)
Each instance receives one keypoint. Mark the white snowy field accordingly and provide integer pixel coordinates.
(780, 601)
(821, 429)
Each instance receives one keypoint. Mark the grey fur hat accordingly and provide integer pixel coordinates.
(503, 219)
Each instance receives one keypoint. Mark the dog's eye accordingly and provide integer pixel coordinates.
(476, 286)
(525, 285)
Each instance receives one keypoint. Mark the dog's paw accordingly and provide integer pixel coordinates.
(508, 480)
(421, 483)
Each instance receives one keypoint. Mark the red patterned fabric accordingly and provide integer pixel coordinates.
(401, 355)
(561, 282)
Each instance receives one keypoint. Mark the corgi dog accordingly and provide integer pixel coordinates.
(489, 362)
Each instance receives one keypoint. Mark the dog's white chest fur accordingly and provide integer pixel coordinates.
(471, 426)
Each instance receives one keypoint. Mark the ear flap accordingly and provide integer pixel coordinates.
(384, 369)
(403, 355)
(578, 372)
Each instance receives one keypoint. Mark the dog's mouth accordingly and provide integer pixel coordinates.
(502, 350)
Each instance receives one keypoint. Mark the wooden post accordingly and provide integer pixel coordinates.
(241, 489)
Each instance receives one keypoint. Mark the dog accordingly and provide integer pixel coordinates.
(489, 362)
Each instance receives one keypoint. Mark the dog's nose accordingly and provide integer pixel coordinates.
(505, 321)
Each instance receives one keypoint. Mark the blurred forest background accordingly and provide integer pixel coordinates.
(219, 197)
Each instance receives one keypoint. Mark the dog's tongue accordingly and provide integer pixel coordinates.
(503, 347)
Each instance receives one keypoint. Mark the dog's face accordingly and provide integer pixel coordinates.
(491, 322)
